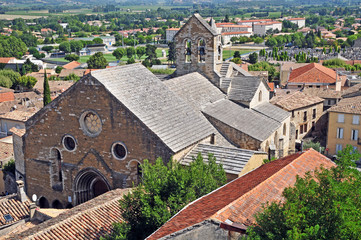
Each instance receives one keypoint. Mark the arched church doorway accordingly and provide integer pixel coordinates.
(89, 183)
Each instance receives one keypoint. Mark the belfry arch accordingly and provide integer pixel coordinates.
(89, 183)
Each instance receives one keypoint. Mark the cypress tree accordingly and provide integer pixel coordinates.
(46, 97)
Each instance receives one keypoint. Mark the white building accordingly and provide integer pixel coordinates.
(228, 35)
(301, 22)
(262, 28)
(170, 33)
(230, 27)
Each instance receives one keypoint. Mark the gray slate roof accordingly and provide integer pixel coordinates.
(245, 120)
(164, 113)
(232, 159)
(241, 70)
(243, 88)
(198, 92)
(272, 111)
(195, 89)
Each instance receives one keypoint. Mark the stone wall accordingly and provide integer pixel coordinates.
(45, 132)
(207, 229)
(194, 31)
(239, 139)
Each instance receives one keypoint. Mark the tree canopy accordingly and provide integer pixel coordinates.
(165, 190)
(325, 204)
(97, 61)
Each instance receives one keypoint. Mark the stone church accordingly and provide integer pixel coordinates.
(93, 137)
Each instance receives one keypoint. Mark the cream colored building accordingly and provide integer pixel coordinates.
(305, 111)
(344, 125)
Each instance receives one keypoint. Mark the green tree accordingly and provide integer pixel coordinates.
(46, 93)
(98, 40)
(27, 81)
(5, 82)
(130, 52)
(151, 51)
(12, 47)
(47, 48)
(72, 77)
(72, 57)
(325, 204)
(130, 60)
(237, 54)
(76, 46)
(65, 47)
(97, 61)
(58, 69)
(253, 58)
(10, 74)
(171, 52)
(119, 53)
(140, 51)
(30, 67)
(165, 190)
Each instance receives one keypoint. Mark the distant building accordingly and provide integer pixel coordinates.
(301, 22)
(170, 33)
(315, 75)
(262, 28)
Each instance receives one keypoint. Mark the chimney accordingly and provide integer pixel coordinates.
(21, 193)
(32, 209)
(338, 82)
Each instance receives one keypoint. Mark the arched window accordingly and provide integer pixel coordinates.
(201, 50)
(260, 96)
(56, 170)
(188, 51)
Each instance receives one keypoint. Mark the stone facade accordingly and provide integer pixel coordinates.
(193, 40)
(44, 145)
(305, 119)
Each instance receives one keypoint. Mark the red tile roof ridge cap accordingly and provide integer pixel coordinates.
(291, 163)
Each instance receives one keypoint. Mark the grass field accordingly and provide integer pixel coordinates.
(109, 57)
(229, 53)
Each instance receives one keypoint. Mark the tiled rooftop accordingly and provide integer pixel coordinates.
(240, 199)
(348, 105)
(312, 73)
(295, 100)
(89, 220)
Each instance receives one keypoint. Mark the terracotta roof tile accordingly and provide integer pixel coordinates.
(89, 220)
(312, 73)
(5, 59)
(6, 150)
(235, 33)
(7, 96)
(348, 105)
(72, 65)
(240, 199)
(11, 205)
(295, 100)
(271, 86)
(17, 115)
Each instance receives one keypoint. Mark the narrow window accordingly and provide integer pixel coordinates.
(188, 51)
(201, 51)
(340, 133)
(354, 135)
(338, 147)
(305, 116)
(341, 118)
(355, 119)
(314, 113)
